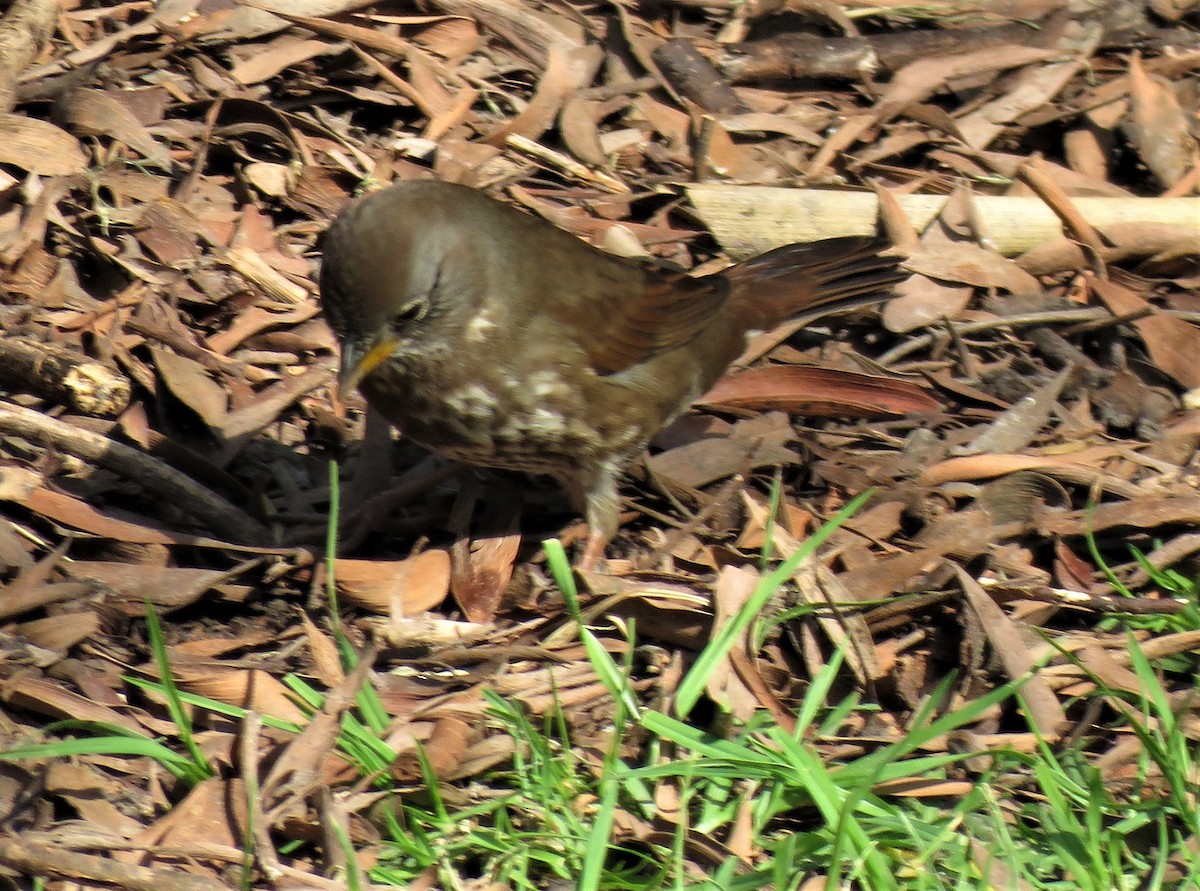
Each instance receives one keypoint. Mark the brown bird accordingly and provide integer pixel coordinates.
(495, 338)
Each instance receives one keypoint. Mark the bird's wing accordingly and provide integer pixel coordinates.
(622, 319)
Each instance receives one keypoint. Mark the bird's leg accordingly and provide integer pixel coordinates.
(602, 506)
(593, 552)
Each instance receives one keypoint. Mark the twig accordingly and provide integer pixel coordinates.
(1022, 320)
(166, 483)
(64, 377)
(565, 165)
(57, 862)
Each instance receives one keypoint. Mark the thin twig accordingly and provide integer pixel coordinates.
(1021, 320)
(158, 479)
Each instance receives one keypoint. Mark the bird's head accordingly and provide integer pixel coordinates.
(381, 279)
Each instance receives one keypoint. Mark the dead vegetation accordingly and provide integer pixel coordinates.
(1024, 409)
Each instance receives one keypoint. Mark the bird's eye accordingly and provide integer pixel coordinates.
(412, 312)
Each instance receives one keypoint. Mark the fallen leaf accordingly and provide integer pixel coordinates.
(396, 587)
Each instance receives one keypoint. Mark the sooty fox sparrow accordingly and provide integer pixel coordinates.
(495, 338)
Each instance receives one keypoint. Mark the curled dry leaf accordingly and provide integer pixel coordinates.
(1042, 707)
(734, 587)
(806, 390)
(483, 566)
(565, 72)
(255, 64)
(76, 514)
(443, 751)
(61, 631)
(1017, 426)
(1017, 497)
(400, 587)
(47, 698)
(696, 455)
(1148, 512)
(991, 465)
(922, 301)
(577, 123)
(1173, 344)
(1031, 88)
(451, 37)
(95, 113)
(212, 813)
(919, 80)
(40, 147)
(1126, 241)
(695, 464)
(1158, 126)
(191, 384)
(326, 660)
(167, 587)
(253, 689)
(971, 265)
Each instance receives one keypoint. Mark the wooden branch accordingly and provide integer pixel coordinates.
(63, 377)
(24, 31)
(158, 479)
(748, 220)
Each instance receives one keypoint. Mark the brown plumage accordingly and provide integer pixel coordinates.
(495, 338)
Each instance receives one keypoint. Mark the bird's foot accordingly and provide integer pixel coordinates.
(592, 558)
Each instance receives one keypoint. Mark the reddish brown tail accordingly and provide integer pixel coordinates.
(811, 280)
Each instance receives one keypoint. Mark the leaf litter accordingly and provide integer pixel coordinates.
(165, 175)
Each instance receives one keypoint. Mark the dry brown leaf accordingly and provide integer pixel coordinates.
(451, 37)
(807, 390)
(213, 812)
(264, 408)
(565, 71)
(483, 566)
(922, 301)
(443, 750)
(987, 466)
(724, 686)
(168, 587)
(919, 787)
(89, 791)
(918, 81)
(76, 514)
(1148, 512)
(961, 262)
(1126, 241)
(703, 461)
(818, 587)
(1032, 88)
(49, 698)
(61, 631)
(396, 587)
(327, 661)
(254, 320)
(212, 647)
(1017, 426)
(252, 689)
(787, 124)
(254, 63)
(191, 384)
(578, 124)
(95, 113)
(39, 147)
(1173, 344)
(1042, 707)
(1158, 126)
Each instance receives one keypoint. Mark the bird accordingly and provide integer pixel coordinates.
(493, 337)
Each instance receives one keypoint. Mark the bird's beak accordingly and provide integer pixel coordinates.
(357, 364)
